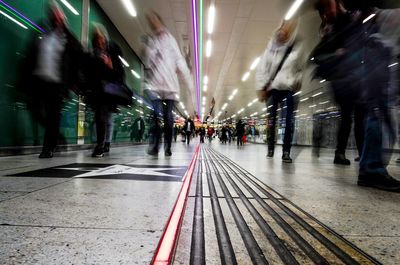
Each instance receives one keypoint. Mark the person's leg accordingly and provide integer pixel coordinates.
(155, 128)
(109, 132)
(274, 100)
(101, 115)
(373, 171)
(168, 125)
(346, 109)
(359, 117)
(287, 140)
(52, 109)
(188, 137)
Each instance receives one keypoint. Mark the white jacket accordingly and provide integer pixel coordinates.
(291, 71)
(163, 61)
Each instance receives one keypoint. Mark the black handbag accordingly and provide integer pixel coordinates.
(118, 93)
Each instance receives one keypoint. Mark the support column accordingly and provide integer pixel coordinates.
(84, 42)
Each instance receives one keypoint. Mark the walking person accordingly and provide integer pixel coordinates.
(104, 68)
(202, 133)
(279, 76)
(53, 65)
(163, 60)
(366, 47)
(188, 129)
(239, 132)
(343, 72)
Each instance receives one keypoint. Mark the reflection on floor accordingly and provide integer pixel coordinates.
(113, 210)
(74, 209)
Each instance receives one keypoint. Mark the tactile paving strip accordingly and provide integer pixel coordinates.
(240, 220)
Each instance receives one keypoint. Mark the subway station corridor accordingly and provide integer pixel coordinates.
(199, 132)
(241, 209)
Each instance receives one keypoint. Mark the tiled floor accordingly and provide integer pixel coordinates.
(84, 220)
(114, 221)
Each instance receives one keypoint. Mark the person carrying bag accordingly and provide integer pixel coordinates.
(278, 77)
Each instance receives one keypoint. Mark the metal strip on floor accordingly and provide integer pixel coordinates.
(253, 224)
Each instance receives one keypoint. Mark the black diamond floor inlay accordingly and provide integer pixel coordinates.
(110, 171)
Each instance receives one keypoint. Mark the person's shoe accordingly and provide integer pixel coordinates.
(286, 157)
(98, 152)
(357, 159)
(168, 153)
(46, 154)
(398, 160)
(340, 159)
(381, 181)
(152, 152)
(270, 153)
(106, 147)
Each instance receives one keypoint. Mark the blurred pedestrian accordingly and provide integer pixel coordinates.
(278, 77)
(53, 63)
(356, 54)
(104, 68)
(239, 132)
(202, 132)
(163, 60)
(188, 129)
(341, 28)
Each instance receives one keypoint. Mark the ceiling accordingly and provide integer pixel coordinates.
(242, 30)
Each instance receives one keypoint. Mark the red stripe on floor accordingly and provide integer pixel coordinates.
(169, 239)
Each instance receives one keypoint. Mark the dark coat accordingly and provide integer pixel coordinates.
(70, 66)
(98, 74)
(191, 126)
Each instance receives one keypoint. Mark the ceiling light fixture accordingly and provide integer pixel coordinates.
(292, 10)
(368, 18)
(211, 19)
(130, 7)
(208, 48)
(205, 87)
(255, 63)
(135, 74)
(70, 7)
(245, 76)
(123, 61)
(205, 80)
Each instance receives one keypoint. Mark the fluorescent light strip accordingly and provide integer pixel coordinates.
(316, 95)
(205, 80)
(255, 63)
(21, 16)
(13, 20)
(292, 10)
(211, 19)
(123, 61)
(70, 7)
(368, 18)
(130, 7)
(245, 76)
(393, 64)
(135, 74)
(208, 48)
(205, 87)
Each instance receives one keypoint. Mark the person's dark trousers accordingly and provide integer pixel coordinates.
(52, 103)
(276, 97)
(348, 106)
(164, 112)
(239, 139)
(102, 116)
(201, 138)
(377, 103)
(188, 134)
